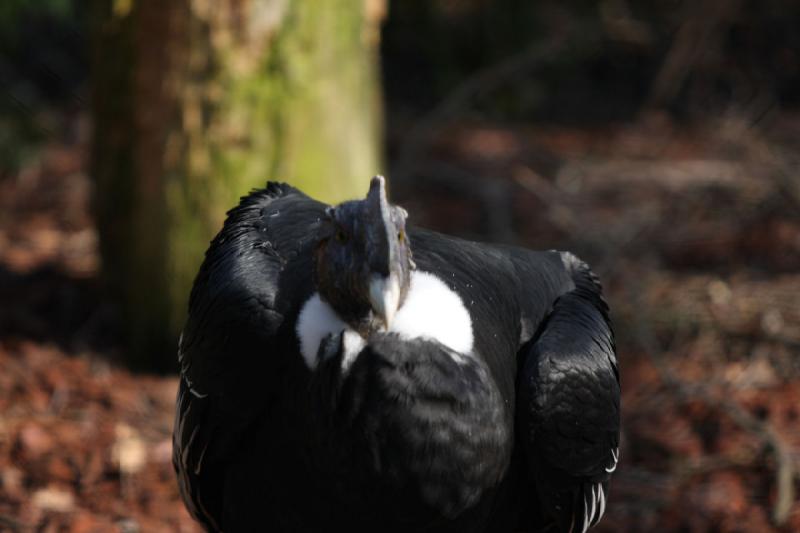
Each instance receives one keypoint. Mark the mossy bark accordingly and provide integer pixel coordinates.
(195, 103)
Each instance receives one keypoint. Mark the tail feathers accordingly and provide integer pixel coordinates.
(581, 509)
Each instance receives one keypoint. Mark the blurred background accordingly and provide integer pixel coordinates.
(658, 140)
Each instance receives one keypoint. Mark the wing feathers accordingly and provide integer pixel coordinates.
(615, 457)
(569, 403)
(257, 271)
(250, 267)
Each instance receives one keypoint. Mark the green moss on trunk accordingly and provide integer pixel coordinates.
(199, 101)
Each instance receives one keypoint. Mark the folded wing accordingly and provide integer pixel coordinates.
(568, 404)
(233, 342)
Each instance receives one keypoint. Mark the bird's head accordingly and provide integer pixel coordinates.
(363, 260)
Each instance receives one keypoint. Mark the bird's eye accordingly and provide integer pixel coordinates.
(341, 236)
(401, 235)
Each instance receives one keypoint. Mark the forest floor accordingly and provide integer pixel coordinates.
(695, 233)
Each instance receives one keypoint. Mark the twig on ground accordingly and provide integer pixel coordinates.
(764, 156)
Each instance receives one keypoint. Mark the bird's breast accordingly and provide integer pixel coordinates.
(410, 413)
(413, 418)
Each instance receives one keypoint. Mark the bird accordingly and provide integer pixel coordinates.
(341, 367)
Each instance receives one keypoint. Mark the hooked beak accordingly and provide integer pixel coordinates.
(384, 297)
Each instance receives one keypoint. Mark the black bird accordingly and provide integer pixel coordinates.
(342, 370)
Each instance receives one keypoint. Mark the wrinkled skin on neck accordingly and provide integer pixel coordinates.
(363, 260)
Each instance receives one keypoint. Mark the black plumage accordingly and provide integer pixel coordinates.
(519, 434)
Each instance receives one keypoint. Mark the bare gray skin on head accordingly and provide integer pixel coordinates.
(363, 260)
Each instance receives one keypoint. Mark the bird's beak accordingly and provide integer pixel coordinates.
(384, 296)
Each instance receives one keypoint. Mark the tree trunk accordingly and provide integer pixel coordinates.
(195, 103)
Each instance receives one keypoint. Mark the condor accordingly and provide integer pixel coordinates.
(343, 370)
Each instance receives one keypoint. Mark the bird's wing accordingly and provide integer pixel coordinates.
(255, 273)
(568, 404)
(507, 291)
(542, 328)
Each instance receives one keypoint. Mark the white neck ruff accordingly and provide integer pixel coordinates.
(431, 311)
